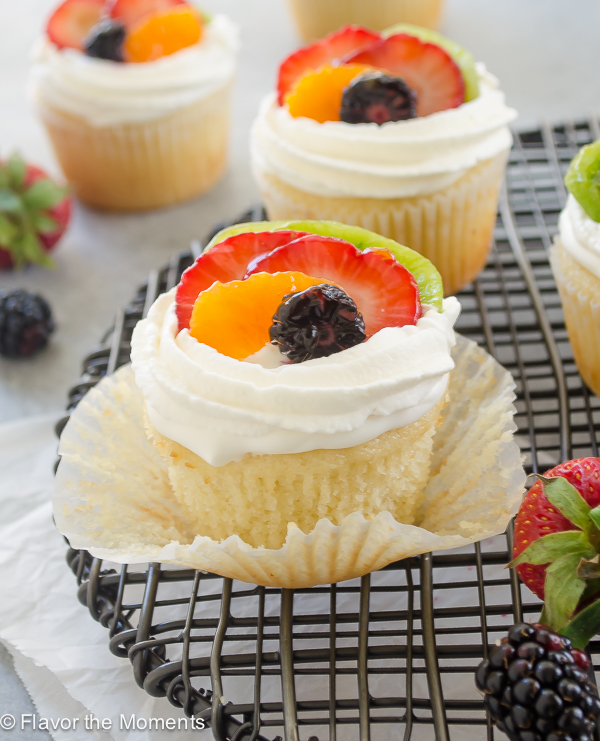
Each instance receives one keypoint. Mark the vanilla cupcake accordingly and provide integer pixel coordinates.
(575, 259)
(407, 137)
(335, 415)
(136, 103)
(317, 18)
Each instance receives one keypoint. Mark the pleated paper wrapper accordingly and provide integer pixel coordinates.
(113, 497)
(580, 296)
(451, 227)
(317, 18)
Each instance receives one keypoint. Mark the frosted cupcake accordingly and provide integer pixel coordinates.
(135, 97)
(400, 133)
(296, 374)
(575, 261)
(317, 18)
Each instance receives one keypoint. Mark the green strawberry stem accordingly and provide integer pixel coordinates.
(571, 557)
(24, 212)
(584, 626)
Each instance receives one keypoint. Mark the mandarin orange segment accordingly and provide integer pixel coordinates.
(163, 34)
(235, 317)
(318, 93)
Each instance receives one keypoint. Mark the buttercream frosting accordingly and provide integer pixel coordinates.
(221, 408)
(398, 159)
(106, 93)
(580, 236)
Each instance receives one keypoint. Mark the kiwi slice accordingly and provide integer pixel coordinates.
(583, 179)
(428, 279)
(463, 58)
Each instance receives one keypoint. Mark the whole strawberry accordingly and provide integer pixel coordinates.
(557, 539)
(34, 213)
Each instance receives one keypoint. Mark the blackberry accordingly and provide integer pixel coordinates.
(105, 40)
(315, 323)
(536, 688)
(377, 98)
(25, 323)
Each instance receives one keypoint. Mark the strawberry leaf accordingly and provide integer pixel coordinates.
(8, 231)
(562, 590)
(10, 203)
(565, 497)
(554, 546)
(588, 569)
(16, 169)
(42, 223)
(44, 194)
(594, 515)
(30, 250)
(584, 626)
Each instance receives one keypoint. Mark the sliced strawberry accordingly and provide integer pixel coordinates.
(426, 68)
(325, 51)
(384, 291)
(72, 21)
(224, 262)
(538, 517)
(131, 12)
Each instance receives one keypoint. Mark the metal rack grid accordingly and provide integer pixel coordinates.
(390, 655)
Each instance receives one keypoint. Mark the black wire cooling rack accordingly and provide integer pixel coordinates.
(391, 655)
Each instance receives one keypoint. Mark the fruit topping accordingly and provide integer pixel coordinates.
(463, 58)
(323, 52)
(105, 40)
(534, 687)
(163, 34)
(375, 97)
(25, 323)
(428, 69)
(583, 179)
(427, 277)
(228, 260)
(132, 12)
(72, 21)
(318, 95)
(315, 323)
(385, 292)
(34, 213)
(557, 539)
(235, 317)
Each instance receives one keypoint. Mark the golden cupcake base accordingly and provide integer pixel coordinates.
(257, 497)
(580, 296)
(140, 166)
(317, 18)
(452, 227)
(113, 496)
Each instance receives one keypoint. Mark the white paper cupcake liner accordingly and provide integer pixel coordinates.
(113, 498)
(317, 18)
(580, 296)
(150, 164)
(451, 227)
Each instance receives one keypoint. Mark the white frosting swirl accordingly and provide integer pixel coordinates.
(580, 236)
(399, 159)
(106, 93)
(221, 408)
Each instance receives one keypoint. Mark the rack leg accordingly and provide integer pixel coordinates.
(288, 690)
(431, 661)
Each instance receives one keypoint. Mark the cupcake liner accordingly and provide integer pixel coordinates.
(113, 497)
(579, 291)
(317, 18)
(136, 166)
(451, 227)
